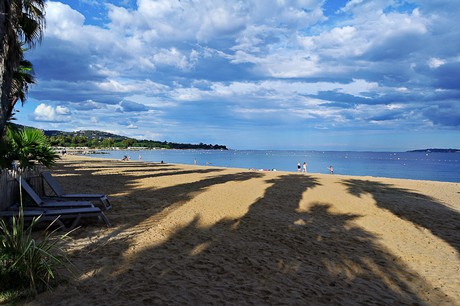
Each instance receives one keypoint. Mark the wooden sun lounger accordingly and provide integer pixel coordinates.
(68, 217)
(50, 204)
(61, 195)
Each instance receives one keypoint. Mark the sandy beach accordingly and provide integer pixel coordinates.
(198, 235)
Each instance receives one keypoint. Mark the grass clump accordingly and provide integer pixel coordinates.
(28, 264)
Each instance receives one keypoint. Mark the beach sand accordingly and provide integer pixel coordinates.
(197, 235)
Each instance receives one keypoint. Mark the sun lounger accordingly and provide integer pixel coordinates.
(50, 204)
(68, 217)
(61, 195)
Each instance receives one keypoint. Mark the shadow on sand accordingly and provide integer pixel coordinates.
(417, 208)
(274, 254)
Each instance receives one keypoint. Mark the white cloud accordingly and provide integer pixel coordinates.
(279, 89)
(435, 62)
(174, 57)
(60, 110)
(45, 112)
(62, 21)
(402, 89)
(118, 86)
(131, 86)
(187, 94)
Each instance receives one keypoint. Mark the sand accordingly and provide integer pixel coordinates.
(205, 235)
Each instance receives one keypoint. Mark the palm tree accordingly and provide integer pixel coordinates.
(20, 85)
(29, 146)
(22, 78)
(21, 22)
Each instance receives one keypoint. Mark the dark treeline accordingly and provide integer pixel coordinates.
(436, 151)
(123, 142)
(94, 139)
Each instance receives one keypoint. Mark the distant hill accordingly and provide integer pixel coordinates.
(99, 139)
(437, 151)
(90, 134)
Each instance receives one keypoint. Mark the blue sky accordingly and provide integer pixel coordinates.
(308, 74)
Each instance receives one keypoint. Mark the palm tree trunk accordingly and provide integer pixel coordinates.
(9, 60)
(4, 8)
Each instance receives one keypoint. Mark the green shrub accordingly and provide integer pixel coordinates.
(27, 263)
(28, 146)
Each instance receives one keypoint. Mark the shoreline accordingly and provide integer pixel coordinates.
(185, 234)
(268, 170)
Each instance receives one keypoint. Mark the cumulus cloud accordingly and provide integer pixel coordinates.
(45, 112)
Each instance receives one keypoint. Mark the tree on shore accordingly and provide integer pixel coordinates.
(21, 23)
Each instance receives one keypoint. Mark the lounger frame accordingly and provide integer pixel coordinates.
(101, 199)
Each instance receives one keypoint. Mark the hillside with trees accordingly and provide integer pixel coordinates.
(97, 139)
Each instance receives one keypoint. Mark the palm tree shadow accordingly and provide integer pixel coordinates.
(279, 252)
(275, 254)
(169, 199)
(421, 210)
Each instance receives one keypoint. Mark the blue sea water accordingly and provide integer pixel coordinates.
(409, 165)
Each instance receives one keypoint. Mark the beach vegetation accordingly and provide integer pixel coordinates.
(27, 147)
(22, 78)
(29, 261)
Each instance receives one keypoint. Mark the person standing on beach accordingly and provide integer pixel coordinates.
(304, 169)
(331, 170)
(298, 167)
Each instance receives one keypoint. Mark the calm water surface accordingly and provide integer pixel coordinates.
(421, 166)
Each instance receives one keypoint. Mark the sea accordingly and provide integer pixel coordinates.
(433, 166)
